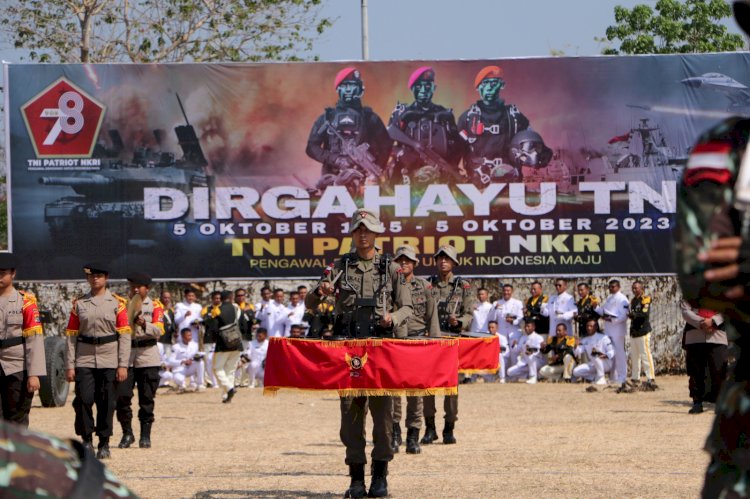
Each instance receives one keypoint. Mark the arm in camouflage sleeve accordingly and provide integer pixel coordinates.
(467, 305)
(433, 320)
(402, 302)
(315, 297)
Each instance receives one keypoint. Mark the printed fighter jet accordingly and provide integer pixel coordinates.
(737, 93)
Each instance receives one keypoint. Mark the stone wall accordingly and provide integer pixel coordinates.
(666, 319)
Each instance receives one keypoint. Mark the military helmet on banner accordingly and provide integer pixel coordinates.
(528, 149)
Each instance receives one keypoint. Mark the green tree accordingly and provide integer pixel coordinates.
(673, 26)
(162, 30)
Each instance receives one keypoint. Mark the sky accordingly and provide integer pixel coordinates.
(469, 29)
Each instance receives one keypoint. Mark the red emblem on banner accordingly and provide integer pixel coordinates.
(63, 121)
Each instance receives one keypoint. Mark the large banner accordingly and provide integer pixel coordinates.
(551, 166)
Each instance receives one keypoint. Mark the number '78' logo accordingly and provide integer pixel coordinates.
(63, 121)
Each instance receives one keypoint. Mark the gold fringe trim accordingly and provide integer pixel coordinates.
(272, 391)
(71, 332)
(486, 340)
(32, 331)
(478, 371)
(371, 342)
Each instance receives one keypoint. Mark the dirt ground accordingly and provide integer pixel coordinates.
(514, 440)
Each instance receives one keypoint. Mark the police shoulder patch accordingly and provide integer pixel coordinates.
(646, 300)
(27, 296)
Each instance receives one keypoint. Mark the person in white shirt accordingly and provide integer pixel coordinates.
(492, 328)
(256, 354)
(614, 311)
(187, 314)
(264, 310)
(279, 311)
(184, 364)
(508, 313)
(561, 308)
(530, 358)
(480, 313)
(595, 353)
(295, 311)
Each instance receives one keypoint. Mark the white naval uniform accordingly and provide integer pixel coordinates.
(255, 368)
(264, 314)
(561, 309)
(480, 316)
(510, 330)
(180, 371)
(528, 363)
(596, 366)
(618, 306)
(279, 312)
(293, 316)
(183, 320)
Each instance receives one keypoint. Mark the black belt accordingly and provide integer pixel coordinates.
(143, 343)
(12, 342)
(532, 350)
(421, 332)
(98, 340)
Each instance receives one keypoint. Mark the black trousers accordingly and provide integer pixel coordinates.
(699, 357)
(147, 381)
(16, 400)
(353, 414)
(94, 386)
(450, 406)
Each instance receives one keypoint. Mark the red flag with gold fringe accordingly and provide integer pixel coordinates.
(374, 366)
(478, 355)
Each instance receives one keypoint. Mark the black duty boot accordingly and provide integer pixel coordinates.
(88, 442)
(430, 433)
(697, 408)
(379, 484)
(230, 396)
(412, 441)
(448, 437)
(103, 451)
(145, 441)
(357, 486)
(396, 439)
(127, 437)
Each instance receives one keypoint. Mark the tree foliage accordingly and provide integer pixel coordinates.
(162, 30)
(673, 26)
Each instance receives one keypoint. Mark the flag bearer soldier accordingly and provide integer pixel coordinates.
(21, 346)
(423, 322)
(98, 355)
(454, 302)
(146, 317)
(372, 300)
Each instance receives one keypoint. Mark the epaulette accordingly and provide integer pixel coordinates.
(646, 300)
(204, 310)
(158, 303)
(122, 300)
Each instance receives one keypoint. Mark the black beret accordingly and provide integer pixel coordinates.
(8, 261)
(95, 268)
(140, 278)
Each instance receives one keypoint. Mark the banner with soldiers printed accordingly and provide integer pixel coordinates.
(544, 166)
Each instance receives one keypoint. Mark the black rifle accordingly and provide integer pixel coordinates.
(358, 154)
(427, 155)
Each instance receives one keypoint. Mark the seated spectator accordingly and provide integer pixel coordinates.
(560, 356)
(492, 328)
(297, 331)
(595, 353)
(530, 358)
(256, 357)
(186, 362)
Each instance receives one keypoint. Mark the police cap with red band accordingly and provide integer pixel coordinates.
(347, 74)
(425, 73)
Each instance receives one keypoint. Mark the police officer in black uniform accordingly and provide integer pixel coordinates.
(346, 127)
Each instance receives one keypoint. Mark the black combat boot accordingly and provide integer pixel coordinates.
(448, 437)
(88, 442)
(396, 439)
(103, 451)
(412, 441)
(357, 486)
(127, 436)
(379, 484)
(145, 441)
(430, 433)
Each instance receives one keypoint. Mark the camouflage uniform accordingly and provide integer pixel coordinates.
(38, 465)
(704, 212)
(453, 297)
(361, 286)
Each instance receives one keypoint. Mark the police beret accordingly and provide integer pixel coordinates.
(742, 15)
(8, 261)
(425, 73)
(350, 73)
(448, 251)
(95, 268)
(368, 219)
(140, 278)
(488, 72)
